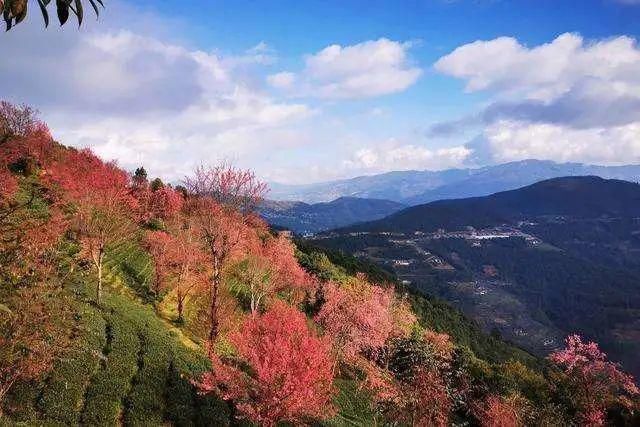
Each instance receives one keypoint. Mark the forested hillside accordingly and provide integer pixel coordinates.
(536, 263)
(125, 301)
(303, 218)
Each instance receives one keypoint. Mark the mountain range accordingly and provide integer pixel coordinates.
(576, 197)
(417, 187)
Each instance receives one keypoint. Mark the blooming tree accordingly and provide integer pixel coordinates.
(101, 196)
(221, 199)
(271, 268)
(288, 374)
(498, 411)
(361, 317)
(187, 259)
(595, 382)
(159, 245)
(162, 203)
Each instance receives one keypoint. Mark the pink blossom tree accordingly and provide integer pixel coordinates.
(594, 381)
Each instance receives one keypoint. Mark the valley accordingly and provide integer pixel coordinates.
(530, 265)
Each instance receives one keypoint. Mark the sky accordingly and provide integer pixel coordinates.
(316, 90)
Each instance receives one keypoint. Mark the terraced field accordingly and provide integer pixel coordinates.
(130, 366)
(127, 366)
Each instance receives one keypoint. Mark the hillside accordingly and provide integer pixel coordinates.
(534, 264)
(303, 218)
(583, 197)
(126, 301)
(418, 187)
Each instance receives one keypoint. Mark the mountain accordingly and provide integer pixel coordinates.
(584, 197)
(534, 264)
(417, 187)
(311, 218)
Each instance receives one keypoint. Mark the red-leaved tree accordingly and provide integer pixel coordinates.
(594, 381)
(270, 269)
(160, 245)
(102, 199)
(361, 317)
(187, 258)
(221, 200)
(283, 371)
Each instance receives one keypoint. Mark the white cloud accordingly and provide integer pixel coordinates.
(513, 140)
(394, 155)
(140, 98)
(283, 80)
(547, 71)
(565, 100)
(368, 69)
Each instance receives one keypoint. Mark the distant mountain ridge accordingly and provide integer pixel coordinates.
(417, 187)
(585, 197)
(311, 218)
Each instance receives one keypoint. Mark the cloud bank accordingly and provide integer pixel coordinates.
(565, 100)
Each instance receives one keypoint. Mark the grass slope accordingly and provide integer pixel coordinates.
(127, 366)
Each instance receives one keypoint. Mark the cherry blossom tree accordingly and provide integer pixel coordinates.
(187, 259)
(234, 188)
(100, 194)
(221, 200)
(498, 411)
(34, 317)
(159, 244)
(162, 203)
(361, 317)
(423, 401)
(270, 269)
(594, 381)
(8, 185)
(17, 121)
(289, 370)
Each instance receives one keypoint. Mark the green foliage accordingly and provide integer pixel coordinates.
(514, 377)
(126, 364)
(109, 386)
(156, 184)
(355, 406)
(15, 11)
(441, 317)
(140, 174)
(335, 265)
(62, 399)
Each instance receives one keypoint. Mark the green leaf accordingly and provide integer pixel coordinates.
(7, 14)
(63, 11)
(79, 11)
(95, 7)
(45, 14)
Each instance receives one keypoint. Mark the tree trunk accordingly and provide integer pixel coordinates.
(99, 288)
(180, 306)
(213, 310)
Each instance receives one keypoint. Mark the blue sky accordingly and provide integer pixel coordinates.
(318, 90)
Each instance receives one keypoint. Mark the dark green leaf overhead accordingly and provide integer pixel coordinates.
(15, 11)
